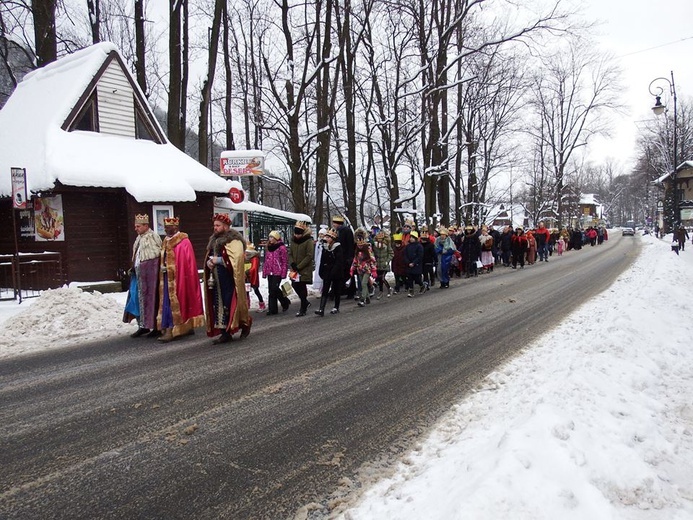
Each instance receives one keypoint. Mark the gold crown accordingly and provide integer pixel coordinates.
(171, 221)
(141, 219)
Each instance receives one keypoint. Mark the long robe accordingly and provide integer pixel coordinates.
(179, 287)
(226, 302)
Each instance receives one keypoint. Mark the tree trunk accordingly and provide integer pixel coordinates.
(174, 82)
(93, 10)
(205, 103)
(44, 31)
(140, 47)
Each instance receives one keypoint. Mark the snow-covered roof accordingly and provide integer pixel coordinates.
(225, 203)
(31, 137)
(588, 198)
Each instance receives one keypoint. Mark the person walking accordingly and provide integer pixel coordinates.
(252, 275)
(317, 257)
(275, 269)
(226, 302)
(486, 255)
(144, 280)
(471, 251)
(363, 266)
(445, 249)
(331, 271)
(506, 245)
(383, 256)
(180, 297)
(429, 261)
(399, 263)
(519, 247)
(413, 256)
(301, 255)
(345, 237)
(681, 237)
(543, 236)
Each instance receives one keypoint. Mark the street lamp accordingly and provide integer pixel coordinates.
(658, 110)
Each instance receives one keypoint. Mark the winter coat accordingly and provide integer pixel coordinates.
(399, 262)
(345, 236)
(519, 245)
(383, 255)
(429, 252)
(413, 257)
(506, 240)
(486, 242)
(276, 261)
(471, 248)
(252, 268)
(542, 235)
(301, 254)
(332, 263)
(364, 262)
(445, 246)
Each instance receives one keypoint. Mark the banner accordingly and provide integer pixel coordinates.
(48, 219)
(241, 163)
(19, 198)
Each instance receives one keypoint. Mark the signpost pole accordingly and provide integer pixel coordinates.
(19, 202)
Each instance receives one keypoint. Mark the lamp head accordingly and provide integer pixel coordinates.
(658, 107)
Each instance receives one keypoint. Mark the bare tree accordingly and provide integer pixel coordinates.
(573, 92)
(94, 12)
(45, 35)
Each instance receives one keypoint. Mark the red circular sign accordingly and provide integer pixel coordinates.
(237, 195)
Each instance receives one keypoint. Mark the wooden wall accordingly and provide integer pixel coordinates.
(99, 230)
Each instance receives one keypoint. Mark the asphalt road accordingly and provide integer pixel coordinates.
(282, 420)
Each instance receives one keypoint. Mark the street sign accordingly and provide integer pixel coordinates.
(19, 196)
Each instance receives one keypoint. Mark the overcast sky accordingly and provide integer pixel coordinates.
(650, 39)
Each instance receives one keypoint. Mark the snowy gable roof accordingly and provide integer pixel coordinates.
(32, 136)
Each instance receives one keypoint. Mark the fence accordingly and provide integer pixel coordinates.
(37, 272)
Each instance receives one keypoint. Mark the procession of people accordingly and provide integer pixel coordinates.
(168, 300)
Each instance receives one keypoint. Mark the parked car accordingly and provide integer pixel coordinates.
(627, 231)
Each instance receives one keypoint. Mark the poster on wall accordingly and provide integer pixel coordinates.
(19, 198)
(242, 163)
(26, 223)
(48, 219)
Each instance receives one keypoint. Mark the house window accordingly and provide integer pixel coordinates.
(86, 120)
(142, 128)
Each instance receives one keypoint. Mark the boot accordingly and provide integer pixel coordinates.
(166, 336)
(262, 307)
(139, 332)
(245, 330)
(303, 309)
(320, 312)
(224, 338)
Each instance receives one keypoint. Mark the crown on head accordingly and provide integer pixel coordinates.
(222, 217)
(171, 221)
(142, 219)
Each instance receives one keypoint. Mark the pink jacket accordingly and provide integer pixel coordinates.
(276, 262)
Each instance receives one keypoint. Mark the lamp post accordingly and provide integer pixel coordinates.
(658, 110)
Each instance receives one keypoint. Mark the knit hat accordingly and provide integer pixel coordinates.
(275, 235)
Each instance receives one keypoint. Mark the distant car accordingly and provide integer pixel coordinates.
(628, 231)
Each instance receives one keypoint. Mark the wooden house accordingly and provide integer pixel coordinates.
(81, 134)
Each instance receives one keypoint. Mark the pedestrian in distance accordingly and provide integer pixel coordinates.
(252, 275)
(301, 255)
(383, 256)
(144, 280)
(363, 266)
(519, 247)
(332, 272)
(445, 249)
(413, 255)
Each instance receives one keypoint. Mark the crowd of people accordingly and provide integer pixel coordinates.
(168, 301)
(371, 264)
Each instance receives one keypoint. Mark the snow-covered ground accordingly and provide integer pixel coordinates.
(593, 421)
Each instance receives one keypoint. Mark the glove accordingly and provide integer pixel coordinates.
(294, 266)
